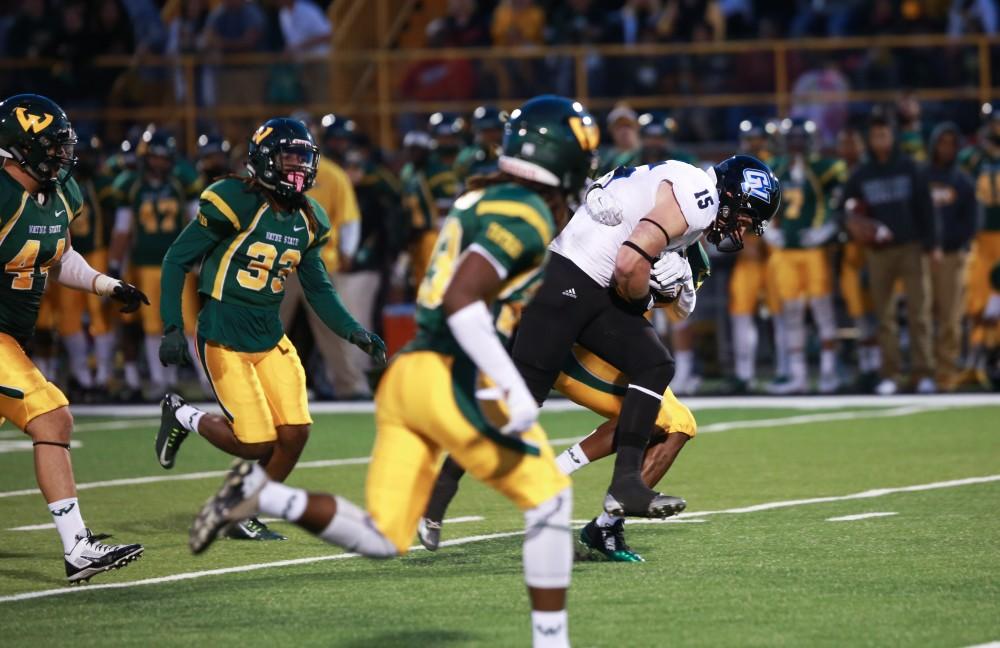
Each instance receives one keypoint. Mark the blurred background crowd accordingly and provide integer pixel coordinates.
(876, 116)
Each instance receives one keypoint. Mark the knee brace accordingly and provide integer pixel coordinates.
(548, 543)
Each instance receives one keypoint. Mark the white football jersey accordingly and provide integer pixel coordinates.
(626, 195)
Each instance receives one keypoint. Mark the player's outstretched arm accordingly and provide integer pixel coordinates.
(74, 272)
(323, 299)
(192, 244)
(475, 282)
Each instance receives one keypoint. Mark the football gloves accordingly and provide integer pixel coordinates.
(669, 274)
(130, 296)
(522, 410)
(174, 348)
(370, 344)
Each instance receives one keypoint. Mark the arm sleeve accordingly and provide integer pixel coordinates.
(74, 272)
(321, 295)
(194, 242)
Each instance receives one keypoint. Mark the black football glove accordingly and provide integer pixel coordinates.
(174, 348)
(370, 344)
(130, 296)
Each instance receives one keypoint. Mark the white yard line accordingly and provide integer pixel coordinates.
(861, 516)
(24, 445)
(880, 492)
(989, 644)
(725, 426)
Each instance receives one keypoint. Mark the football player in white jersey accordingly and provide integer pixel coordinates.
(597, 289)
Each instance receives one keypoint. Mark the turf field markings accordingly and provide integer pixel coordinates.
(988, 644)
(269, 520)
(861, 516)
(878, 492)
(25, 445)
(34, 527)
(330, 463)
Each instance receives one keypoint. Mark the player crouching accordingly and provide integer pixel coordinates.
(38, 199)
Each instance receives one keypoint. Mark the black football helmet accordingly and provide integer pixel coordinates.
(747, 187)
(283, 157)
(36, 134)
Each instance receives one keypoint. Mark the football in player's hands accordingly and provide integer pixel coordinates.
(370, 344)
(668, 275)
(130, 296)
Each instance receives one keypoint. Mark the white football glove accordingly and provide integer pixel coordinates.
(522, 410)
(668, 274)
(992, 311)
(817, 236)
(683, 306)
(602, 207)
(774, 237)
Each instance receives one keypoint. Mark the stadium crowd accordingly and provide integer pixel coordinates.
(880, 201)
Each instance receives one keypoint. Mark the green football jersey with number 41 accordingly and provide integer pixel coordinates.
(510, 225)
(33, 238)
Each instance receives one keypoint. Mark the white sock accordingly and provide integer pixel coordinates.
(132, 375)
(684, 361)
(189, 417)
(76, 349)
(780, 347)
(156, 374)
(354, 530)
(744, 346)
(605, 519)
(549, 629)
(827, 362)
(69, 522)
(797, 366)
(104, 353)
(876, 357)
(572, 459)
(283, 501)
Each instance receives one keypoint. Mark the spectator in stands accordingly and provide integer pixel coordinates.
(973, 17)
(636, 22)
(683, 19)
(890, 195)
(623, 126)
(111, 31)
(439, 79)
(829, 115)
(304, 27)
(234, 27)
(518, 23)
(72, 48)
(956, 214)
(576, 22)
(824, 17)
(32, 32)
(185, 21)
(463, 25)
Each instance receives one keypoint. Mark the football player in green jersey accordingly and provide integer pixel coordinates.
(804, 278)
(481, 156)
(250, 233)
(455, 389)
(154, 205)
(38, 198)
(429, 187)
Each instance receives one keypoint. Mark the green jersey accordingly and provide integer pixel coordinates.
(247, 248)
(425, 189)
(32, 239)
(476, 160)
(509, 223)
(158, 213)
(911, 142)
(984, 167)
(807, 194)
(91, 229)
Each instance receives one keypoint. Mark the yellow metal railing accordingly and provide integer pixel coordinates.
(373, 75)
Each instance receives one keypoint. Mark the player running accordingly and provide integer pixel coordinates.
(454, 388)
(594, 384)
(596, 291)
(250, 234)
(38, 199)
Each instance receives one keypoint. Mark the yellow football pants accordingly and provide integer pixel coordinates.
(24, 392)
(805, 274)
(147, 279)
(257, 391)
(423, 408)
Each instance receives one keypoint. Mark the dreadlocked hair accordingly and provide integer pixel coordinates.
(280, 204)
(553, 197)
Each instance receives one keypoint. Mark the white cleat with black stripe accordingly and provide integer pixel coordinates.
(90, 556)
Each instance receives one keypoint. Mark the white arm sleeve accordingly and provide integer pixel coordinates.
(74, 272)
(473, 329)
(350, 238)
(123, 219)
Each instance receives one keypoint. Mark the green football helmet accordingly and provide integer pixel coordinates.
(553, 141)
(36, 134)
(283, 157)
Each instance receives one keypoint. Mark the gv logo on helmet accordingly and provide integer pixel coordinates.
(757, 183)
(31, 122)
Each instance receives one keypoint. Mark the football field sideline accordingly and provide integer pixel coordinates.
(724, 426)
(756, 508)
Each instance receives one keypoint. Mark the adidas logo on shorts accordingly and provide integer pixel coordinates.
(571, 292)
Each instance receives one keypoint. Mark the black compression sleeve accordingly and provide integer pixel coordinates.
(642, 253)
(660, 227)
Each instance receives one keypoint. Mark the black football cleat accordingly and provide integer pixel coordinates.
(90, 557)
(252, 529)
(429, 533)
(640, 501)
(606, 543)
(172, 433)
(224, 509)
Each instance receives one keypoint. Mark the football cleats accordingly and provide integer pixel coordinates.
(747, 188)
(551, 140)
(37, 135)
(283, 157)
